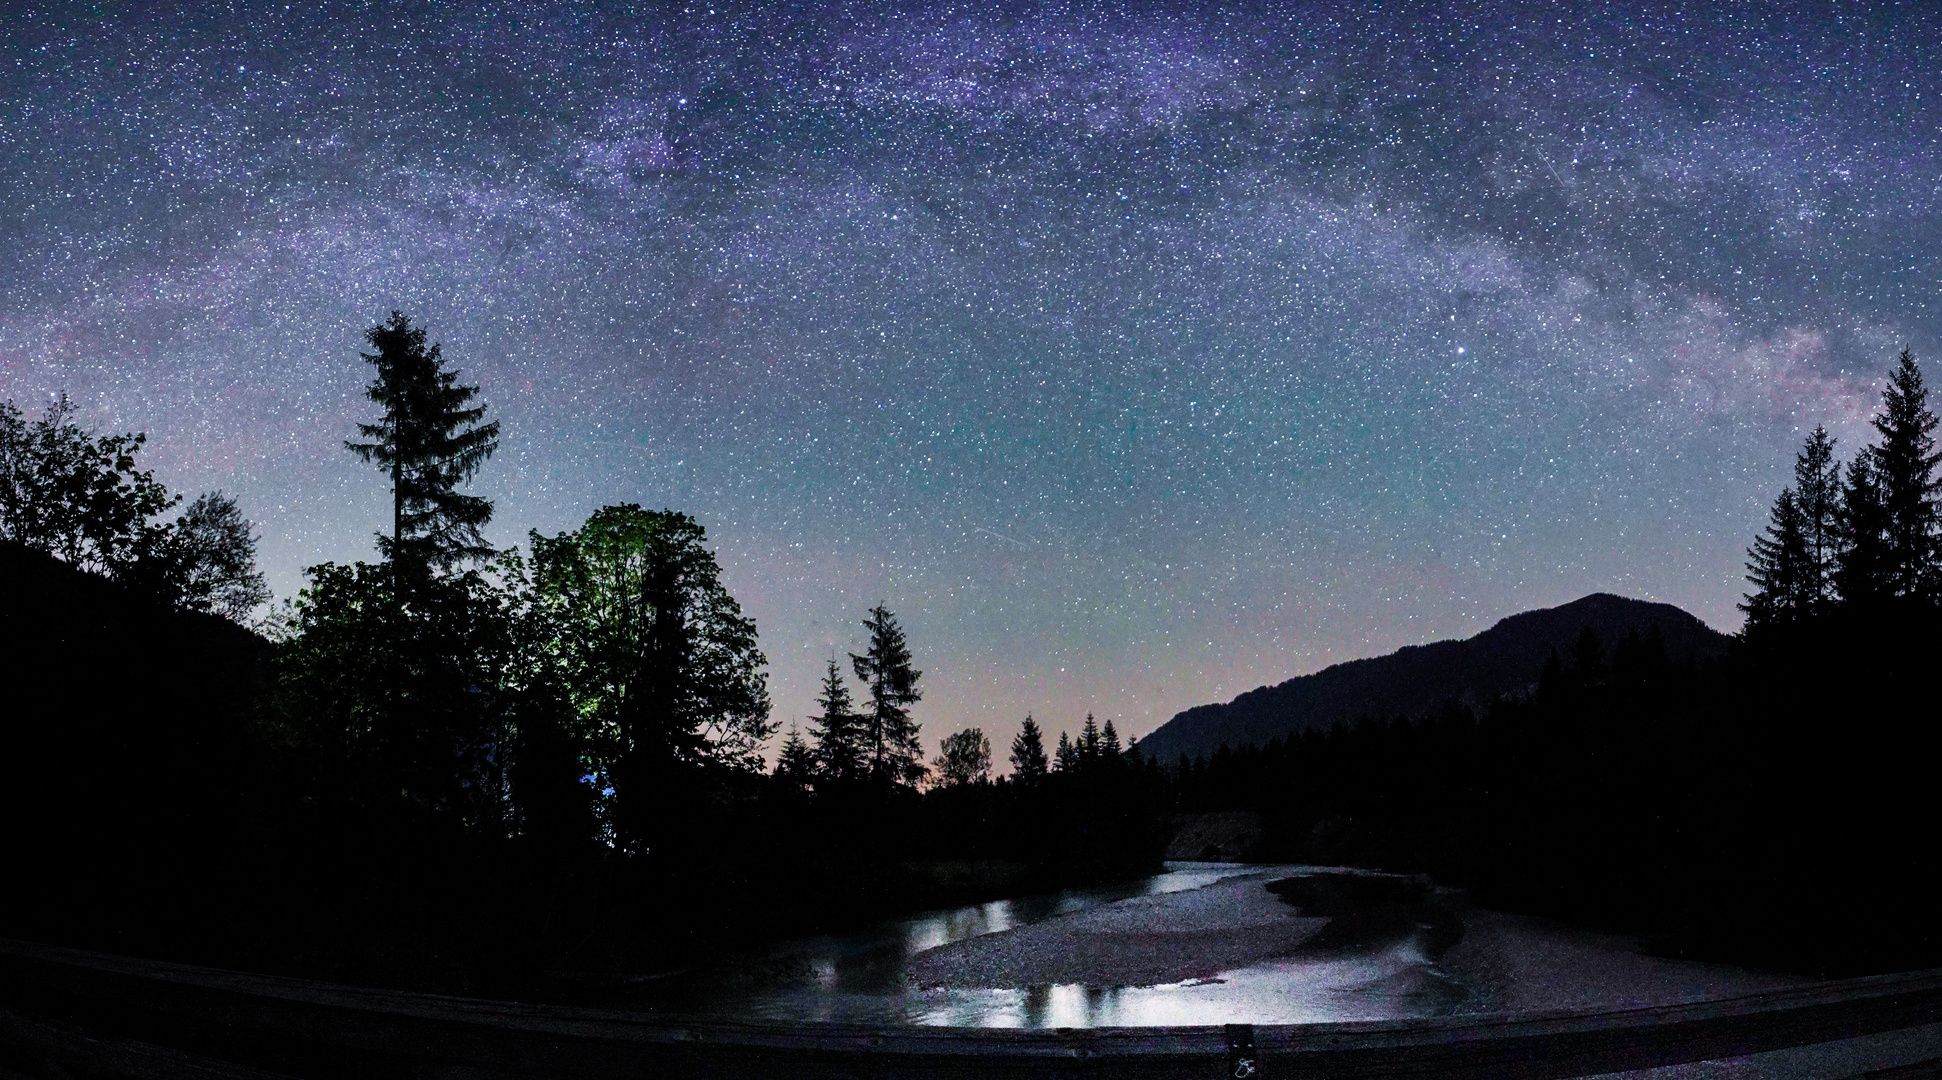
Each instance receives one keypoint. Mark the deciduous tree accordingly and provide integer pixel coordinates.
(964, 757)
(659, 656)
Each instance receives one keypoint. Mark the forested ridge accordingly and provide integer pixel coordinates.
(513, 771)
(525, 771)
(1773, 805)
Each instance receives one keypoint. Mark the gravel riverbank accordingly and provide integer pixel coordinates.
(1504, 963)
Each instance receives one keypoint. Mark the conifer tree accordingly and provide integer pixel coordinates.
(1109, 747)
(1817, 497)
(838, 731)
(430, 441)
(1778, 566)
(1089, 741)
(796, 763)
(1028, 764)
(1067, 758)
(1862, 571)
(1905, 464)
(895, 755)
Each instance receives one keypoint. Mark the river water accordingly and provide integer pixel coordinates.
(862, 976)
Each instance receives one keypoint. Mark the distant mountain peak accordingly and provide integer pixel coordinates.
(1417, 679)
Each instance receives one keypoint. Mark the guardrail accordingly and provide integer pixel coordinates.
(93, 1014)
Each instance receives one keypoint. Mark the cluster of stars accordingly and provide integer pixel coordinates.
(1135, 357)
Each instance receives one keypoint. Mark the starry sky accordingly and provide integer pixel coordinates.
(1133, 356)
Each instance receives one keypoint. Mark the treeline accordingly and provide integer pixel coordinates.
(466, 768)
(1773, 806)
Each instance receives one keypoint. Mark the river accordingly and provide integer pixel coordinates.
(866, 976)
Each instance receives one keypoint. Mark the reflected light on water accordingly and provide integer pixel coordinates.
(863, 977)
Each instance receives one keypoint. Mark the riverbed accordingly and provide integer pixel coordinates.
(1201, 943)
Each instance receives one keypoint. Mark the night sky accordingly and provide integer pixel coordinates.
(1133, 359)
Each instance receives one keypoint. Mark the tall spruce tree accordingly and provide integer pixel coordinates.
(1862, 572)
(1778, 567)
(1028, 763)
(1817, 497)
(895, 755)
(1905, 464)
(430, 440)
(838, 732)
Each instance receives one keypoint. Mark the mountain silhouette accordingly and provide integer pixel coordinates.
(1417, 679)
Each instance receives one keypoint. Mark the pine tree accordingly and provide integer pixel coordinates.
(1862, 571)
(796, 763)
(1905, 463)
(431, 441)
(1067, 758)
(1089, 741)
(1028, 764)
(1109, 748)
(1778, 566)
(838, 731)
(896, 756)
(1817, 497)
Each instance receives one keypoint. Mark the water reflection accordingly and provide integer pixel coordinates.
(862, 976)
(1394, 983)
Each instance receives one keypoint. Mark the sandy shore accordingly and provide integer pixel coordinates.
(1508, 963)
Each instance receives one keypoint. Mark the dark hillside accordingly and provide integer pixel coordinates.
(126, 750)
(1416, 680)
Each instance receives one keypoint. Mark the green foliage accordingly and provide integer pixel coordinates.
(430, 441)
(895, 755)
(659, 662)
(964, 757)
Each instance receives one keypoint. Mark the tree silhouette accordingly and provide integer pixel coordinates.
(896, 757)
(205, 560)
(76, 496)
(964, 757)
(1028, 763)
(659, 655)
(1780, 568)
(796, 763)
(1905, 464)
(1817, 497)
(82, 498)
(1066, 759)
(1109, 748)
(1863, 572)
(430, 440)
(838, 731)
